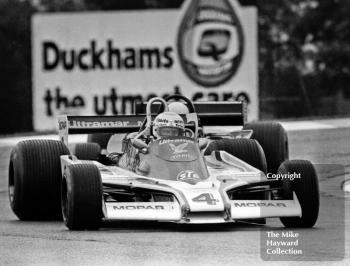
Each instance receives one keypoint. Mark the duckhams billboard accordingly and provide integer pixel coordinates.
(101, 63)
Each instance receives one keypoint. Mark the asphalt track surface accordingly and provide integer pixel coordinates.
(136, 243)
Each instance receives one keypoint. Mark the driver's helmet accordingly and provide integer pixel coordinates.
(168, 124)
(179, 108)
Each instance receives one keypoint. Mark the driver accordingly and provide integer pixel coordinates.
(168, 124)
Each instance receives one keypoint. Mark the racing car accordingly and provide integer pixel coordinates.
(167, 167)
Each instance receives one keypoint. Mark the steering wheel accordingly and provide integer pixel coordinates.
(189, 103)
(146, 126)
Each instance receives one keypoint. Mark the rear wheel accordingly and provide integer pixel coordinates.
(273, 139)
(35, 179)
(307, 190)
(247, 150)
(87, 151)
(82, 197)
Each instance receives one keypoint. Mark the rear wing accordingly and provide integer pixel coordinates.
(98, 124)
(209, 113)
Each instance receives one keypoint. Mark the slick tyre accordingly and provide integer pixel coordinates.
(100, 138)
(82, 197)
(87, 151)
(306, 189)
(35, 179)
(273, 139)
(247, 150)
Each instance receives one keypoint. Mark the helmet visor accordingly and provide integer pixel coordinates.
(170, 131)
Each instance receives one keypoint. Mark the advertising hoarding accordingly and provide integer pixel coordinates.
(99, 63)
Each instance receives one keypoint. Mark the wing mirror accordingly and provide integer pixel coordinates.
(139, 144)
(203, 143)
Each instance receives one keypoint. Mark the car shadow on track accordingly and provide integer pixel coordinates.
(125, 226)
(153, 226)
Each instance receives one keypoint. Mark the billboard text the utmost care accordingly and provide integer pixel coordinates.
(100, 63)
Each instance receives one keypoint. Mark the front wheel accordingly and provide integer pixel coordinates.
(35, 178)
(82, 197)
(306, 189)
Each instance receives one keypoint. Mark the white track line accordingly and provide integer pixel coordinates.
(316, 124)
(305, 125)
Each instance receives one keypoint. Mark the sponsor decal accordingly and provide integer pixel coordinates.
(199, 51)
(210, 42)
(97, 124)
(207, 198)
(62, 125)
(139, 207)
(104, 57)
(181, 148)
(188, 176)
(180, 157)
(177, 149)
(167, 141)
(259, 204)
(166, 121)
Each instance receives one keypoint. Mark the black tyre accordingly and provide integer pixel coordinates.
(35, 179)
(273, 139)
(87, 151)
(307, 190)
(100, 138)
(247, 150)
(82, 197)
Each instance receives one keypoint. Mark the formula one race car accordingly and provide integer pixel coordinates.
(169, 169)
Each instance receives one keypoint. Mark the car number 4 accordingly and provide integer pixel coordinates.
(206, 197)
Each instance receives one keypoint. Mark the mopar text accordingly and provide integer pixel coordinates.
(141, 207)
(259, 204)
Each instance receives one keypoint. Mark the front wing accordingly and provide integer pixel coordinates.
(206, 202)
(174, 212)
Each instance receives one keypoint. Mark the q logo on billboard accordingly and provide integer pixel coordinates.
(210, 42)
